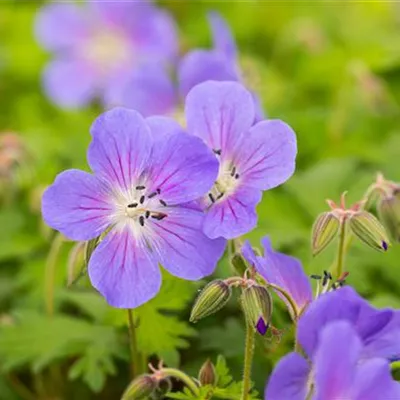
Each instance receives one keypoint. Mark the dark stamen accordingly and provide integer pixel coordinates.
(316, 277)
(217, 151)
(140, 187)
(163, 202)
(385, 246)
(327, 277)
(211, 197)
(151, 195)
(158, 190)
(261, 326)
(233, 172)
(132, 205)
(141, 220)
(220, 195)
(147, 214)
(159, 216)
(237, 176)
(141, 200)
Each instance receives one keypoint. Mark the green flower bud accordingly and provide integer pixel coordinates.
(211, 299)
(140, 388)
(389, 214)
(257, 306)
(369, 230)
(324, 231)
(207, 374)
(239, 263)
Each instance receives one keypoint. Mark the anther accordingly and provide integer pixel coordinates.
(233, 172)
(220, 195)
(163, 202)
(319, 277)
(211, 197)
(147, 214)
(140, 187)
(326, 278)
(217, 151)
(159, 216)
(141, 220)
(141, 200)
(151, 195)
(158, 190)
(237, 176)
(132, 205)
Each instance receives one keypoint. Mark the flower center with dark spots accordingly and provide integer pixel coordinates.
(227, 181)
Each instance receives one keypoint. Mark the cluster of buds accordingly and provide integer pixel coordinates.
(388, 204)
(146, 385)
(364, 225)
(255, 299)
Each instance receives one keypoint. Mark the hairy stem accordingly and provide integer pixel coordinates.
(187, 380)
(51, 272)
(341, 251)
(135, 360)
(248, 360)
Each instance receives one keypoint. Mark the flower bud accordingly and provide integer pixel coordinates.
(369, 230)
(239, 264)
(389, 214)
(211, 299)
(140, 388)
(324, 231)
(207, 374)
(257, 306)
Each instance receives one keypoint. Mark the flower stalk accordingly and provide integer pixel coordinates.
(341, 251)
(248, 360)
(135, 364)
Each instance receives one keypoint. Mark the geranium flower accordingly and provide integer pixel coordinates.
(114, 51)
(252, 158)
(141, 194)
(218, 64)
(349, 345)
(337, 371)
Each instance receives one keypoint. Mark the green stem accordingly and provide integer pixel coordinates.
(187, 380)
(288, 297)
(51, 272)
(248, 360)
(341, 251)
(133, 344)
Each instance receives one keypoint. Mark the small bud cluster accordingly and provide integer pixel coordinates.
(255, 299)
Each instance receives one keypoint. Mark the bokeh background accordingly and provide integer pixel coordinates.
(329, 69)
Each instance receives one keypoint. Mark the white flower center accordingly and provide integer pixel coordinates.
(107, 51)
(226, 183)
(136, 207)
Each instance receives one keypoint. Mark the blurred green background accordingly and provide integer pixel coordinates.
(329, 69)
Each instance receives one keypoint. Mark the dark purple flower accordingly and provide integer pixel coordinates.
(337, 372)
(252, 158)
(142, 192)
(115, 51)
(349, 345)
(282, 270)
(218, 64)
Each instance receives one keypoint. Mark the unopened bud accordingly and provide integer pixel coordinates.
(257, 306)
(239, 264)
(207, 374)
(140, 388)
(324, 231)
(369, 230)
(211, 299)
(389, 214)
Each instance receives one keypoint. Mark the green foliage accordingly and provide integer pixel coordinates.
(317, 67)
(226, 387)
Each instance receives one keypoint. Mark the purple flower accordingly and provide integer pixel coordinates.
(251, 158)
(142, 194)
(217, 64)
(349, 344)
(281, 270)
(115, 51)
(337, 371)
